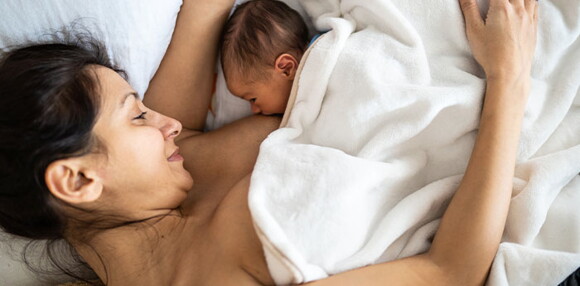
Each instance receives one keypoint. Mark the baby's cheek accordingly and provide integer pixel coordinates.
(281, 104)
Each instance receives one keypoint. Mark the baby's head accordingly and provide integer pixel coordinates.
(261, 48)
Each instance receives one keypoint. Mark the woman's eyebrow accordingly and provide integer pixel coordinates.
(127, 96)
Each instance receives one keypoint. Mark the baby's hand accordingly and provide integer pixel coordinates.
(503, 43)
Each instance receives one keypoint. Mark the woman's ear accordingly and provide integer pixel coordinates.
(70, 181)
(286, 65)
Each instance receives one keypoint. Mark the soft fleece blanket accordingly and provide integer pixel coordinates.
(375, 141)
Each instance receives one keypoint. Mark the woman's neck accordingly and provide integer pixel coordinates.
(143, 254)
(210, 245)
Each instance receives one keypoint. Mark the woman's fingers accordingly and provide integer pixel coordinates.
(504, 44)
(531, 7)
(471, 14)
(518, 2)
(497, 2)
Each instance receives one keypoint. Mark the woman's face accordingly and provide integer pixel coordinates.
(142, 171)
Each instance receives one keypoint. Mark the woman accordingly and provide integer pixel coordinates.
(115, 187)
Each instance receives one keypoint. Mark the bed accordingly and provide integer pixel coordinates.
(423, 50)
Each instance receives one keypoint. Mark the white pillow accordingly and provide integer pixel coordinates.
(136, 33)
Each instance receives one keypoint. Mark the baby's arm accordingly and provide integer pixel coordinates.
(183, 84)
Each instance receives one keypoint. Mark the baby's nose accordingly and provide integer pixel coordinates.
(255, 109)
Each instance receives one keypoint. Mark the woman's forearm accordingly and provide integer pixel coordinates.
(472, 227)
(182, 86)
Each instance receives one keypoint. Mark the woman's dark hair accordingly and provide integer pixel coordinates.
(49, 104)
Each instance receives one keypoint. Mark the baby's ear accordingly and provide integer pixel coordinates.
(286, 65)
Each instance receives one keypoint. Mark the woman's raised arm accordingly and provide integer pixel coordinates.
(182, 86)
(471, 228)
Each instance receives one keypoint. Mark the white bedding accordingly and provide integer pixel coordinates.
(385, 116)
(137, 33)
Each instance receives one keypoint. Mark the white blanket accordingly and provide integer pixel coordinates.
(386, 111)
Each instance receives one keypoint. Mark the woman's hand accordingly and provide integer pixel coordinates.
(504, 43)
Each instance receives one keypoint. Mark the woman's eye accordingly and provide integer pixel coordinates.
(141, 116)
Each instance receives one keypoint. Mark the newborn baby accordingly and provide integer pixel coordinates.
(262, 45)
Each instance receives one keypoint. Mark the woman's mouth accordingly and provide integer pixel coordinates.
(175, 156)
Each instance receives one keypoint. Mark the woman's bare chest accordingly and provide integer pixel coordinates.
(230, 252)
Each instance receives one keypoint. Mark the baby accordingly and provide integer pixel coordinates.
(261, 48)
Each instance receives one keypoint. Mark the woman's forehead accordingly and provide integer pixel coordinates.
(113, 87)
(115, 94)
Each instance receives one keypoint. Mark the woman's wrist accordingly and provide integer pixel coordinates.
(508, 73)
(520, 83)
(507, 96)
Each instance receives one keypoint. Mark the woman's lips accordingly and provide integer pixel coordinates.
(175, 156)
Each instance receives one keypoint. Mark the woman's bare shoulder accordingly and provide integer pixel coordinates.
(231, 150)
(256, 125)
(219, 159)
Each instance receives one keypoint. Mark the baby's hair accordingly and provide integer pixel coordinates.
(257, 33)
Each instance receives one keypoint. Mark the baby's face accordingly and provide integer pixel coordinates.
(267, 97)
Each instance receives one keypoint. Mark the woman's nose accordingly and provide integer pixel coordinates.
(170, 127)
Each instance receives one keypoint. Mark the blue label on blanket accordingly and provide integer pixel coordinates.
(316, 38)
